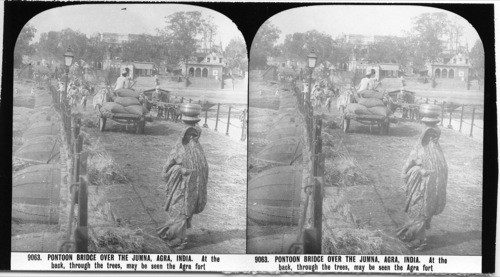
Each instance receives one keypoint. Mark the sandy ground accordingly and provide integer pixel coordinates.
(378, 203)
(138, 204)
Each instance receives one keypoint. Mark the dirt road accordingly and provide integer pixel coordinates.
(379, 203)
(220, 228)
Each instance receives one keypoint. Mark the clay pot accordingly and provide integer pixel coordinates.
(190, 110)
(190, 113)
(430, 110)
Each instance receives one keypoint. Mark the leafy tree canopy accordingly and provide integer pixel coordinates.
(236, 54)
(23, 44)
(263, 44)
(476, 57)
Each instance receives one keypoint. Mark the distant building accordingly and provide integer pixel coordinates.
(451, 67)
(144, 68)
(282, 62)
(203, 65)
(114, 38)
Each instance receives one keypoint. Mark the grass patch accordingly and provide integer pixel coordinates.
(124, 240)
(102, 168)
(349, 241)
(343, 171)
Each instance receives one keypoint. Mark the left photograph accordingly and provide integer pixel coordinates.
(129, 131)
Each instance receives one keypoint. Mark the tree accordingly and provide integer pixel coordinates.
(476, 57)
(236, 54)
(389, 50)
(23, 46)
(184, 30)
(96, 49)
(341, 52)
(145, 48)
(209, 30)
(426, 38)
(54, 44)
(263, 44)
(454, 33)
(299, 45)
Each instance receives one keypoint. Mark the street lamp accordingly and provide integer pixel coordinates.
(311, 58)
(311, 62)
(68, 57)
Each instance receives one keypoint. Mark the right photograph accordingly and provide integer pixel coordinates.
(365, 132)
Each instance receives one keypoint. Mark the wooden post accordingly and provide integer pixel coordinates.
(243, 125)
(442, 112)
(472, 123)
(190, 100)
(78, 149)
(449, 122)
(318, 186)
(461, 118)
(81, 232)
(217, 117)
(228, 119)
(309, 90)
(205, 125)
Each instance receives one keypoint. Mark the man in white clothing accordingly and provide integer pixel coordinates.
(123, 81)
(368, 82)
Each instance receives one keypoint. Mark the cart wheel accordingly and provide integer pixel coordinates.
(102, 123)
(345, 124)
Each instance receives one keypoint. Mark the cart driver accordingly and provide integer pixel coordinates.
(123, 81)
(367, 83)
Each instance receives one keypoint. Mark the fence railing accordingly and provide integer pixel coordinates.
(76, 237)
(224, 118)
(462, 118)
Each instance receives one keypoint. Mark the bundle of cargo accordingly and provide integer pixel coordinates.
(127, 106)
(126, 101)
(370, 102)
(370, 109)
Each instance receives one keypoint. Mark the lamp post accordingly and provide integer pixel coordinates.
(68, 60)
(65, 110)
(311, 62)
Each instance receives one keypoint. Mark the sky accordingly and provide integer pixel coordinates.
(362, 20)
(135, 19)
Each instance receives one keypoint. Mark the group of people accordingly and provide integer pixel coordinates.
(40, 78)
(77, 92)
(321, 95)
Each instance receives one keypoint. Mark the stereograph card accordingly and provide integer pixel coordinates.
(247, 137)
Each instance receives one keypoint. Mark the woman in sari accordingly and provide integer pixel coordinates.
(425, 176)
(186, 176)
